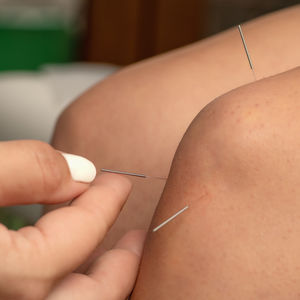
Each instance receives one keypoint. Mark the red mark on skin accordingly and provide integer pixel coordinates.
(205, 194)
(262, 126)
(199, 199)
(196, 196)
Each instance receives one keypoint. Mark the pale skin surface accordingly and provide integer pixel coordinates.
(238, 167)
(135, 119)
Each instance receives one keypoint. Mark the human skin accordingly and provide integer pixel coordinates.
(38, 262)
(238, 169)
(135, 119)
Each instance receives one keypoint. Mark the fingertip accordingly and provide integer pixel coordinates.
(133, 241)
(117, 182)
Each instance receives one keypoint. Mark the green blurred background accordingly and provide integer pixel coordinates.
(33, 33)
(28, 49)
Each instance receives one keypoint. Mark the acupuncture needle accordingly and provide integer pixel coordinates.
(246, 50)
(170, 219)
(132, 174)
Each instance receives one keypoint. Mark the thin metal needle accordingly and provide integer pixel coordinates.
(170, 219)
(246, 50)
(123, 173)
(131, 174)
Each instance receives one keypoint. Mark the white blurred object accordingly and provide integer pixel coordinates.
(31, 102)
(27, 107)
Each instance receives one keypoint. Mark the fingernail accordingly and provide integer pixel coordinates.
(81, 169)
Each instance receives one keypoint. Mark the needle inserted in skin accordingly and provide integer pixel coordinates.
(131, 174)
(170, 219)
(246, 50)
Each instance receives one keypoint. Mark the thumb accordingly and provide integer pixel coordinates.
(34, 172)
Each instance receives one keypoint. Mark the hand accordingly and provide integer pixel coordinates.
(37, 261)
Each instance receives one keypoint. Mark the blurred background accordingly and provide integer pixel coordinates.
(53, 50)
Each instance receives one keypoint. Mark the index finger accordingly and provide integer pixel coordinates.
(34, 172)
